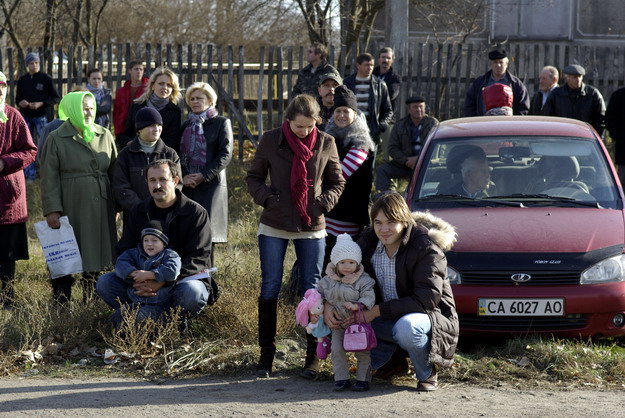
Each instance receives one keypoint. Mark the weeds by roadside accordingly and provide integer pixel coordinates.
(36, 334)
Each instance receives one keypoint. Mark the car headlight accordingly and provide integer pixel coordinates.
(606, 271)
(453, 275)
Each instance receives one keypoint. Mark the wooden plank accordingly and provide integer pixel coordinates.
(270, 88)
(199, 50)
(429, 63)
(158, 61)
(168, 57)
(458, 82)
(189, 72)
(230, 57)
(280, 80)
(220, 74)
(71, 62)
(289, 73)
(80, 71)
(439, 75)
(12, 85)
(419, 64)
(448, 71)
(109, 77)
(209, 62)
(407, 82)
(241, 94)
(259, 100)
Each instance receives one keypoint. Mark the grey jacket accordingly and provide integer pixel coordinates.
(356, 288)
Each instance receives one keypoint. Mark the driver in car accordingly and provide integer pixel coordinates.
(476, 182)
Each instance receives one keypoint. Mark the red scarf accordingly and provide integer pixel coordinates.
(302, 148)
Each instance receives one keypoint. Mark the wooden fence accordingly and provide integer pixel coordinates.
(254, 88)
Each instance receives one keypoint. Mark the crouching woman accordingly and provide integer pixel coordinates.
(415, 309)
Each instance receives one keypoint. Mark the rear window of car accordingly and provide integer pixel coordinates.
(516, 171)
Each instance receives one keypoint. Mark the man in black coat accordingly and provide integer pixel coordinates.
(186, 224)
(498, 73)
(577, 100)
(547, 82)
(616, 126)
(372, 94)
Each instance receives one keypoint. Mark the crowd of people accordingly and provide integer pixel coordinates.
(315, 177)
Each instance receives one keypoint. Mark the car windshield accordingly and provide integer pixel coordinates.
(515, 171)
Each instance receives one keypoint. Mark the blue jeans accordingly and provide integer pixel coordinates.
(309, 254)
(35, 126)
(190, 296)
(412, 332)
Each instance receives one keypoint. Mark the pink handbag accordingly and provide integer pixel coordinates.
(360, 336)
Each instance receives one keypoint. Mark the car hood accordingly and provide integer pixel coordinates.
(534, 229)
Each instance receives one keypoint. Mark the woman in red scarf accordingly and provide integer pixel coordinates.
(296, 177)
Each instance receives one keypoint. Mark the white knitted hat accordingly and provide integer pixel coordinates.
(345, 249)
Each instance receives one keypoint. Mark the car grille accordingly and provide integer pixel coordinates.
(516, 324)
(502, 278)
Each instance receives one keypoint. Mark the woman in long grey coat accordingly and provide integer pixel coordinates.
(77, 167)
(205, 152)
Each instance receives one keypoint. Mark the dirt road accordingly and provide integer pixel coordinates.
(286, 396)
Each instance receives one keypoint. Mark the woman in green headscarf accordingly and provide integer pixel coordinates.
(76, 171)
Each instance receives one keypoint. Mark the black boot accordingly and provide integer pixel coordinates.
(267, 318)
(312, 362)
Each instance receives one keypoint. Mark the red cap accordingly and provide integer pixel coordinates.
(497, 95)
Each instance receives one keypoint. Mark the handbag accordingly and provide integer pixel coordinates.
(59, 248)
(359, 336)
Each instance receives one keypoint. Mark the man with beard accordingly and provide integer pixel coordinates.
(498, 73)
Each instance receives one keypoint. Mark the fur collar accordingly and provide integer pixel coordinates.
(440, 232)
(349, 279)
(356, 134)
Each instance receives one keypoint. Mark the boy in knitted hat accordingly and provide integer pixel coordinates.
(136, 265)
(347, 288)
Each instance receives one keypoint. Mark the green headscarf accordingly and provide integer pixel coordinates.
(71, 108)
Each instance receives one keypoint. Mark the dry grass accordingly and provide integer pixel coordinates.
(36, 335)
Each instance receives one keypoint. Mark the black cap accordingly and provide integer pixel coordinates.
(345, 97)
(497, 54)
(574, 69)
(415, 99)
(147, 116)
(331, 76)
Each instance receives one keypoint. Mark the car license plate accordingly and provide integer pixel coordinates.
(521, 307)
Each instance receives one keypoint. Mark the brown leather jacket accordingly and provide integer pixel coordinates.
(274, 158)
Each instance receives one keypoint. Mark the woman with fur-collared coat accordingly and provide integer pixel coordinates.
(76, 171)
(405, 253)
(205, 152)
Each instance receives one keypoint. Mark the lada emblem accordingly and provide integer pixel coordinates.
(520, 277)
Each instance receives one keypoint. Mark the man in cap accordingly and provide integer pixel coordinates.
(328, 83)
(405, 143)
(547, 82)
(498, 73)
(35, 97)
(577, 100)
(310, 76)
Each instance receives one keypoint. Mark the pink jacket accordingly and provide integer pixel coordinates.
(17, 151)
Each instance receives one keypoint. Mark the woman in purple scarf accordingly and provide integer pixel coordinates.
(205, 152)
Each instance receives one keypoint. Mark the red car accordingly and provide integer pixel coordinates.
(539, 214)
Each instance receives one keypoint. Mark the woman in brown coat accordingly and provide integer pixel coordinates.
(305, 182)
(415, 310)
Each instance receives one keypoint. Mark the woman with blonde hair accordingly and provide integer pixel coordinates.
(162, 94)
(205, 152)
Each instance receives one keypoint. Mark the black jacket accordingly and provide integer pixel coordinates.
(188, 229)
(172, 119)
(38, 87)
(474, 102)
(585, 104)
(129, 184)
(615, 123)
(380, 108)
(393, 83)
